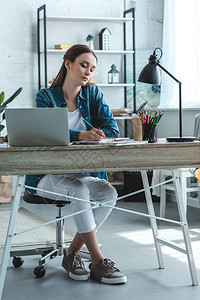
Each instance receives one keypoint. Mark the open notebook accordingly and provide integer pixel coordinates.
(104, 141)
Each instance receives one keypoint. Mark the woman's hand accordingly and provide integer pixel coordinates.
(91, 135)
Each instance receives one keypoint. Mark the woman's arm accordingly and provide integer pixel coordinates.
(44, 98)
(91, 135)
(101, 116)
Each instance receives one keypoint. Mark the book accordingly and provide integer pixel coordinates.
(93, 79)
(62, 46)
(110, 141)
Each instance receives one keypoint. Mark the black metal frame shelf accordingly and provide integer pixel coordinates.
(42, 17)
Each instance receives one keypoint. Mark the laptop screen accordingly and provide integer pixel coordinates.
(37, 126)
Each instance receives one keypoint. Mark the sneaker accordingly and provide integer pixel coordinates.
(106, 272)
(74, 266)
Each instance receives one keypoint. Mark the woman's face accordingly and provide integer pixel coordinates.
(81, 70)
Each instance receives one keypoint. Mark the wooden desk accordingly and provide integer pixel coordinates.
(87, 158)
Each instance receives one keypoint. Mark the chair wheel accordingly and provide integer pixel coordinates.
(17, 262)
(39, 271)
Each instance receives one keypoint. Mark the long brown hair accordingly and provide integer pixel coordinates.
(71, 54)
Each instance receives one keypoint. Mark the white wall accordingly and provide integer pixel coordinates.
(149, 18)
(18, 49)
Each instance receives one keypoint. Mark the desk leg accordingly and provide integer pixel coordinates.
(6, 254)
(152, 221)
(185, 229)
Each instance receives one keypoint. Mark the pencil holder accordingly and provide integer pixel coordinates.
(149, 132)
(153, 134)
(137, 128)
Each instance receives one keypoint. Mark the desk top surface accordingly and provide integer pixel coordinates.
(102, 157)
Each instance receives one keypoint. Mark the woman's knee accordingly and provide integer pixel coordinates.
(111, 192)
(81, 189)
(107, 193)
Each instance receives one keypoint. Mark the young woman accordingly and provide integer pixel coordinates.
(71, 89)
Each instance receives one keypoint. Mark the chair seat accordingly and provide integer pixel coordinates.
(35, 199)
(187, 187)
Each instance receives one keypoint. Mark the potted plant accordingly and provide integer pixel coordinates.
(3, 105)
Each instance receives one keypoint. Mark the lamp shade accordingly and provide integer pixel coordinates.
(151, 72)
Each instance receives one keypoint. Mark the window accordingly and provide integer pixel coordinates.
(181, 53)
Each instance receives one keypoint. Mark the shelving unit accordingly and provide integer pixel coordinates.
(44, 50)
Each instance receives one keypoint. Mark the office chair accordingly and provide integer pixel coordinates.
(189, 183)
(50, 251)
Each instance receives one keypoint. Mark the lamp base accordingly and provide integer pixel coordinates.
(181, 139)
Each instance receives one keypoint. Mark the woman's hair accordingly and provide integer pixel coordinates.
(71, 55)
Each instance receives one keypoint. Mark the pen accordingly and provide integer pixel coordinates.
(90, 125)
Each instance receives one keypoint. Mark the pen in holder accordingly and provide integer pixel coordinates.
(149, 123)
(149, 132)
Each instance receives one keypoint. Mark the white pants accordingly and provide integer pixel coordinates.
(84, 187)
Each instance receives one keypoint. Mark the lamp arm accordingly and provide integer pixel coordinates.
(172, 76)
(180, 97)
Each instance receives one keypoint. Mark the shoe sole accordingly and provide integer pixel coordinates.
(78, 277)
(114, 280)
(74, 276)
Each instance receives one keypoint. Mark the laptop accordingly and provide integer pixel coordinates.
(37, 126)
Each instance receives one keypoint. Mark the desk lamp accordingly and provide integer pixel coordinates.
(151, 74)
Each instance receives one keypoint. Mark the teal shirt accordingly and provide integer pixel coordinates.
(92, 107)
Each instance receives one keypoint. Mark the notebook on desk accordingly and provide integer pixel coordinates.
(37, 126)
(103, 141)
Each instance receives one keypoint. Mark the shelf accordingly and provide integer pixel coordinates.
(111, 84)
(115, 84)
(88, 19)
(116, 183)
(122, 118)
(114, 51)
(95, 51)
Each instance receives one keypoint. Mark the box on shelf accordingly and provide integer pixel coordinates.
(5, 189)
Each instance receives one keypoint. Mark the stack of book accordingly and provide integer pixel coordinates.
(122, 112)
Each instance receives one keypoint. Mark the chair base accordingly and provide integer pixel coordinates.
(49, 252)
(84, 253)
